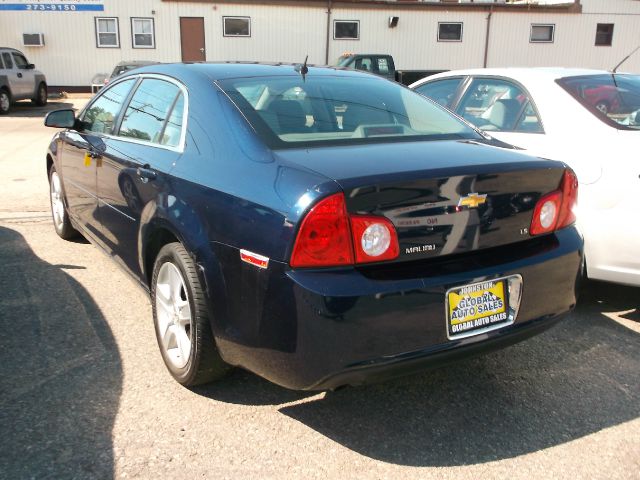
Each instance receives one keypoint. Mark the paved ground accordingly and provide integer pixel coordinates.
(84, 393)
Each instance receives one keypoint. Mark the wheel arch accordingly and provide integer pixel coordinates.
(157, 230)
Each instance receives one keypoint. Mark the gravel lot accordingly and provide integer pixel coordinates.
(84, 392)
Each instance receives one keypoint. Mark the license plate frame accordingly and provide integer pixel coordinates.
(467, 325)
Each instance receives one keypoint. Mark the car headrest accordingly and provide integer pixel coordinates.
(504, 113)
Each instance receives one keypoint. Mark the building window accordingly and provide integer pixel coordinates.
(542, 33)
(450, 32)
(604, 34)
(143, 33)
(236, 26)
(346, 29)
(107, 32)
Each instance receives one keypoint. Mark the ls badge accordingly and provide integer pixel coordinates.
(473, 200)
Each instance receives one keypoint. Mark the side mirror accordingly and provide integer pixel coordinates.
(60, 119)
(31, 66)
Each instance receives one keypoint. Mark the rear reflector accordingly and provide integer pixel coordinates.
(254, 259)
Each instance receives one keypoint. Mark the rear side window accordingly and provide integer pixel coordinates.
(1, 62)
(494, 104)
(101, 115)
(8, 63)
(173, 131)
(441, 91)
(150, 107)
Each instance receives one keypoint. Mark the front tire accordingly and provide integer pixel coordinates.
(5, 102)
(61, 221)
(181, 319)
(41, 95)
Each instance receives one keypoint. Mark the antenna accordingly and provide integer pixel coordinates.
(625, 59)
(303, 69)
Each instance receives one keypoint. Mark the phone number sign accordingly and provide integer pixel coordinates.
(53, 6)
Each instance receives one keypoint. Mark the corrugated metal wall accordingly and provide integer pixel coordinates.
(288, 34)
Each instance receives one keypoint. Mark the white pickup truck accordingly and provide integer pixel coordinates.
(19, 80)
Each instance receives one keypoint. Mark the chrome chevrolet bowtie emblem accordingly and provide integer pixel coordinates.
(473, 200)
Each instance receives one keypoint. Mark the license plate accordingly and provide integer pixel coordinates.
(478, 308)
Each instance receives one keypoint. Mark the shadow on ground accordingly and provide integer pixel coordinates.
(28, 110)
(60, 371)
(576, 379)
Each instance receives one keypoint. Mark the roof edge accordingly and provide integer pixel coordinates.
(571, 6)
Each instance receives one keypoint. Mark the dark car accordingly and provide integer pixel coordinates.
(319, 228)
(125, 66)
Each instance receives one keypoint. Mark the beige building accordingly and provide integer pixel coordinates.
(73, 40)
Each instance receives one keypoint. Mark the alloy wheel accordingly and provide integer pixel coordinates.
(174, 315)
(5, 102)
(57, 204)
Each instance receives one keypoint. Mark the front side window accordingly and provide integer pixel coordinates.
(613, 98)
(542, 33)
(441, 91)
(107, 33)
(293, 112)
(346, 30)
(450, 32)
(604, 34)
(236, 26)
(493, 104)
(102, 113)
(20, 61)
(142, 33)
(146, 115)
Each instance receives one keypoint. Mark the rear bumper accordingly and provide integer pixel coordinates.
(381, 369)
(317, 330)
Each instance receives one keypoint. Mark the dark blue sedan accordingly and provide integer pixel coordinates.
(319, 227)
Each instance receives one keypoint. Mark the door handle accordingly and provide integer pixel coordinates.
(19, 75)
(145, 173)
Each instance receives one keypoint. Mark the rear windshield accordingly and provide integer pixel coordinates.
(613, 98)
(120, 69)
(290, 111)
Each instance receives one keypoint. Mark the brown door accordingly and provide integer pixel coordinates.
(192, 39)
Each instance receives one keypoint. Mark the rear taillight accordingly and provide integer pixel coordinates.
(374, 239)
(329, 237)
(569, 188)
(555, 210)
(324, 238)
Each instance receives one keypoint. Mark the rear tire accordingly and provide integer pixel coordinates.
(181, 319)
(59, 213)
(5, 102)
(41, 95)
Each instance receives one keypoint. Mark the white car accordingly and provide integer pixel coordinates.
(589, 119)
